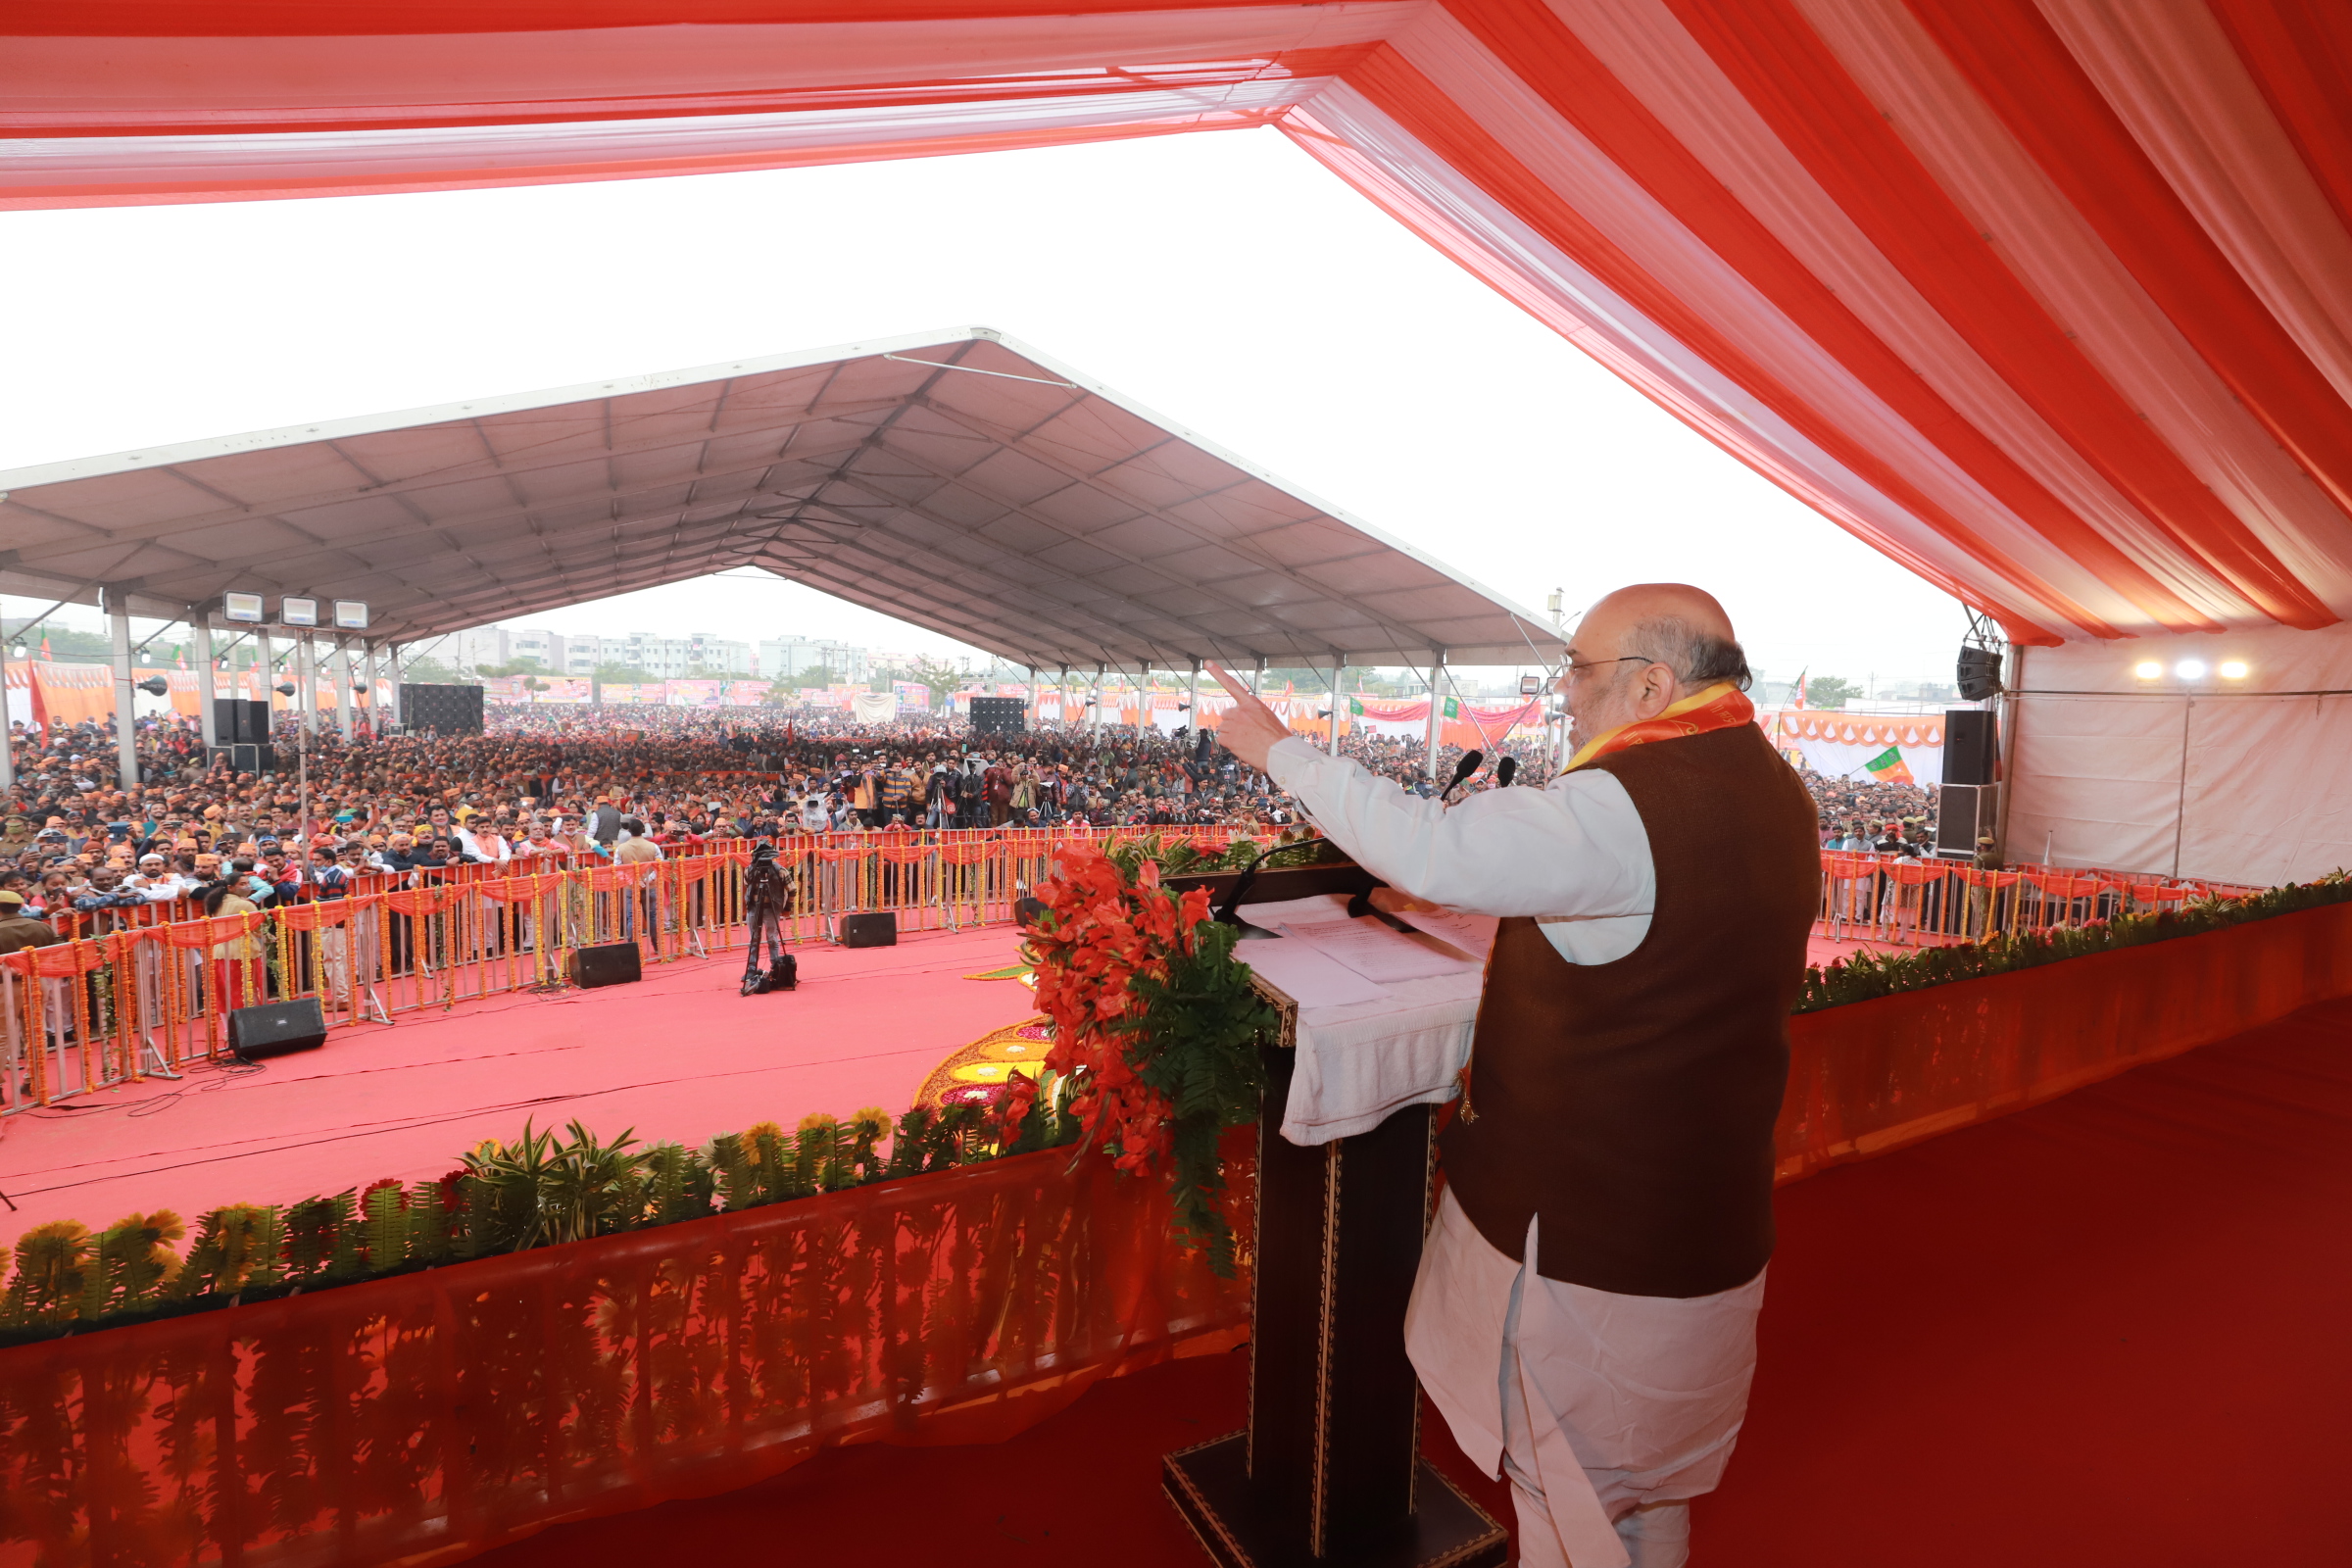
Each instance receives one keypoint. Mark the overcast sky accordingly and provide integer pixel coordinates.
(1224, 280)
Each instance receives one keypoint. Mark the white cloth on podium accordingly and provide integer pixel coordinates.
(1604, 1409)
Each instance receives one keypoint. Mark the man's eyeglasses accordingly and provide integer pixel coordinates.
(1579, 666)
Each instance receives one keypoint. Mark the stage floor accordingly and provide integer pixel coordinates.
(2107, 1330)
(678, 1056)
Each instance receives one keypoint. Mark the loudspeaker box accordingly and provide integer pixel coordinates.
(275, 1028)
(1964, 814)
(869, 930)
(1971, 746)
(615, 963)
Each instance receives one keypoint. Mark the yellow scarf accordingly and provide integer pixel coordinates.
(1719, 707)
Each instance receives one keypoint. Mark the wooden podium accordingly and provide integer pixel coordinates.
(1329, 1471)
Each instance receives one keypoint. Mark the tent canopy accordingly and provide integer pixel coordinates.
(2049, 300)
(956, 480)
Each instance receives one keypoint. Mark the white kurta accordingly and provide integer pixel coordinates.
(1608, 1411)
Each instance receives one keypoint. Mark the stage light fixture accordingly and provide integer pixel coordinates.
(2147, 669)
(245, 608)
(350, 615)
(2190, 669)
(2234, 669)
(293, 611)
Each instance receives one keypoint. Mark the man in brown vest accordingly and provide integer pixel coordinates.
(1585, 1315)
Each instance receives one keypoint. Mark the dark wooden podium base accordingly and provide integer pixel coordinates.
(1210, 1487)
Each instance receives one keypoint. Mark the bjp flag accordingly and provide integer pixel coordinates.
(1888, 767)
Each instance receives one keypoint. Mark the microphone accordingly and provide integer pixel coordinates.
(1462, 770)
(1503, 771)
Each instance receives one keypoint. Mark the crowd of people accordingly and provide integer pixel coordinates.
(543, 787)
(1872, 814)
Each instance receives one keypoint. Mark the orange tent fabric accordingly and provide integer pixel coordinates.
(2044, 299)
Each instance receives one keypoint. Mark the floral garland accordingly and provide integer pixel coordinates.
(1154, 1026)
(1866, 976)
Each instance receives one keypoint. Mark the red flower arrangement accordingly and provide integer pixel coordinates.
(1154, 1025)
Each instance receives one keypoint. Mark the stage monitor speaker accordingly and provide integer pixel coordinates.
(275, 1028)
(243, 757)
(999, 716)
(869, 930)
(1971, 746)
(444, 710)
(1965, 814)
(615, 963)
(1979, 673)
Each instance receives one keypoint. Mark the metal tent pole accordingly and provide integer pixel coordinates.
(1192, 711)
(306, 680)
(342, 667)
(127, 732)
(1339, 668)
(1436, 711)
(8, 749)
(208, 684)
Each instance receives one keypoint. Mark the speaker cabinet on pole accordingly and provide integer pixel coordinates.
(275, 1028)
(444, 710)
(1965, 814)
(999, 716)
(1971, 746)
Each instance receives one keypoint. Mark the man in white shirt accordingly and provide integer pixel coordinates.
(1585, 1314)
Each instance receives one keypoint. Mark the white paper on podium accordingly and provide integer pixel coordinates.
(1376, 950)
(1307, 975)
(1474, 934)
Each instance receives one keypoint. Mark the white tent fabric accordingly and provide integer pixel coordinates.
(956, 480)
(2231, 781)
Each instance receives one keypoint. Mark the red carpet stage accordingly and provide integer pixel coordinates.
(679, 1056)
(2106, 1330)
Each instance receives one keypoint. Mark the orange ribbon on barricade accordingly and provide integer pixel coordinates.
(905, 854)
(2071, 887)
(422, 901)
(522, 889)
(59, 959)
(1914, 874)
(207, 933)
(966, 852)
(312, 916)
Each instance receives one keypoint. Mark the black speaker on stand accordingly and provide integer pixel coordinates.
(999, 716)
(444, 710)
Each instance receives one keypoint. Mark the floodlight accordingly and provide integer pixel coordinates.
(245, 607)
(298, 612)
(350, 615)
(2190, 669)
(1531, 685)
(2234, 669)
(2147, 669)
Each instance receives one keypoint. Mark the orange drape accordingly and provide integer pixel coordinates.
(1876, 1075)
(427, 1417)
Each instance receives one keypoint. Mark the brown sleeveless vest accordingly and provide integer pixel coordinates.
(1631, 1104)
